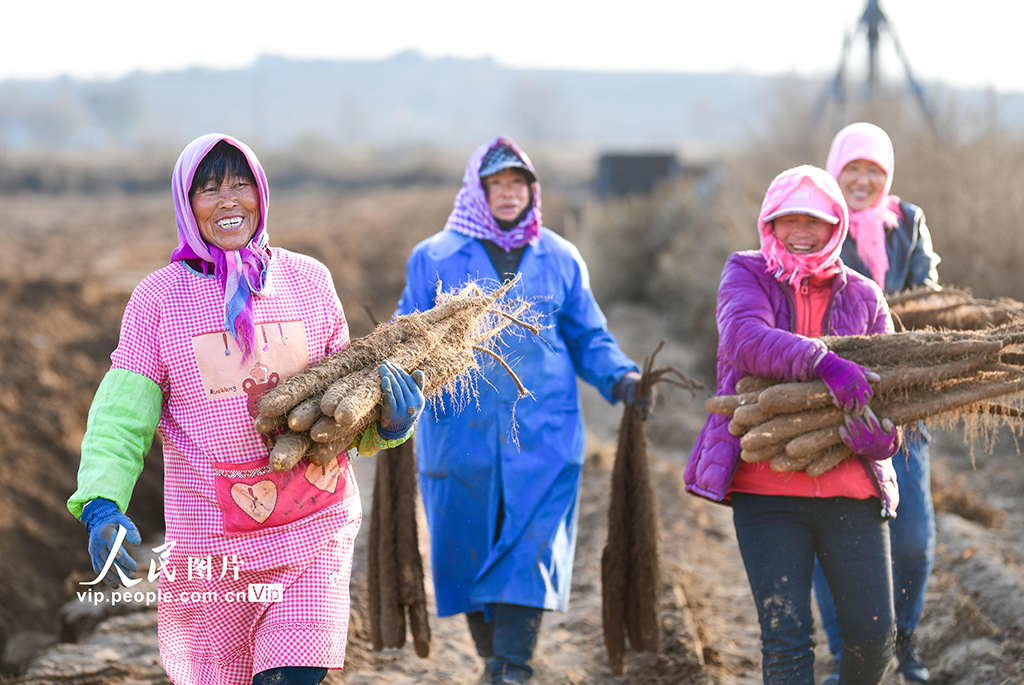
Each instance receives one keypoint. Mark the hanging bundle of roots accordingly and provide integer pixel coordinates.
(394, 564)
(941, 377)
(318, 413)
(629, 562)
(951, 309)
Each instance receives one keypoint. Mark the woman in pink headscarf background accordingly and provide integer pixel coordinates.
(889, 243)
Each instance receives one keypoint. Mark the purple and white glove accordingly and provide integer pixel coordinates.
(867, 437)
(847, 382)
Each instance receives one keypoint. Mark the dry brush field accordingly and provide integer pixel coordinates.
(70, 261)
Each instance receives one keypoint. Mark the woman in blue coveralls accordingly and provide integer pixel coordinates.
(503, 516)
(889, 243)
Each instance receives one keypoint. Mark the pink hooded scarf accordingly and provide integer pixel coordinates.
(242, 273)
(472, 216)
(793, 268)
(867, 227)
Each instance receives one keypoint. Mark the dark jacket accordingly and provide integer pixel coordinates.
(912, 261)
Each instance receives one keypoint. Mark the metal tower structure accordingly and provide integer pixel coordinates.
(872, 22)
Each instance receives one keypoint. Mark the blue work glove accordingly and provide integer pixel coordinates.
(868, 437)
(847, 382)
(625, 390)
(403, 400)
(103, 519)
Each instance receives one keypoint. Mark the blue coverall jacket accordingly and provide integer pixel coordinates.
(503, 516)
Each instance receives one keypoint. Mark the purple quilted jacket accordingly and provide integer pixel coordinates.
(756, 319)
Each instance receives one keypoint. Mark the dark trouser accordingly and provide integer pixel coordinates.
(290, 675)
(912, 535)
(507, 641)
(779, 538)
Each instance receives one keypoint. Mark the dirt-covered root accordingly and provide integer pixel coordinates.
(788, 398)
(728, 404)
(317, 378)
(754, 456)
(827, 458)
(396, 579)
(336, 400)
(748, 384)
(288, 450)
(407, 339)
(951, 309)
(320, 453)
(304, 414)
(788, 426)
(630, 580)
(936, 376)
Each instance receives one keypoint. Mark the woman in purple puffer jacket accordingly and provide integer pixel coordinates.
(773, 305)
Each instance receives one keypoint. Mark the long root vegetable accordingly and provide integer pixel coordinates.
(750, 414)
(950, 308)
(923, 375)
(787, 426)
(304, 415)
(749, 384)
(762, 454)
(827, 459)
(288, 450)
(809, 444)
(727, 404)
(337, 399)
(630, 581)
(783, 462)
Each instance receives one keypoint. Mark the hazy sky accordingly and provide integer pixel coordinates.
(975, 43)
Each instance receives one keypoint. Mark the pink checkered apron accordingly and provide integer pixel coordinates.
(261, 560)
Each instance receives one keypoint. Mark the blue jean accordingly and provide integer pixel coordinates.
(778, 539)
(506, 641)
(912, 535)
(290, 675)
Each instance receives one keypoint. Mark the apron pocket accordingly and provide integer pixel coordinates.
(253, 497)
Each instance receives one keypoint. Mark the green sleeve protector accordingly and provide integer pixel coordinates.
(371, 441)
(122, 421)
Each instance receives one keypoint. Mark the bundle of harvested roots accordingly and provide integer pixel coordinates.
(951, 309)
(935, 376)
(395, 567)
(323, 409)
(629, 562)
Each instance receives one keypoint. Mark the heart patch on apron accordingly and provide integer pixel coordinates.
(256, 500)
(324, 477)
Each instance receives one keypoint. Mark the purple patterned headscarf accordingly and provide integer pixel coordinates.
(472, 216)
(242, 273)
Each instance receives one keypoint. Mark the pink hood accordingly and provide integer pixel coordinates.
(793, 267)
(867, 227)
(242, 273)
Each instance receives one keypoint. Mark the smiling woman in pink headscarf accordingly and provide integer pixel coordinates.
(774, 305)
(889, 243)
(254, 587)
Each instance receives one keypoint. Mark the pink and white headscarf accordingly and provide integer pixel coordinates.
(867, 226)
(242, 273)
(472, 216)
(792, 268)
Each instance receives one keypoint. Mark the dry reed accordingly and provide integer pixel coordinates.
(629, 561)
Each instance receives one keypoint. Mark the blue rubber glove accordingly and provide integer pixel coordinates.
(868, 437)
(625, 390)
(403, 400)
(847, 382)
(103, 519)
